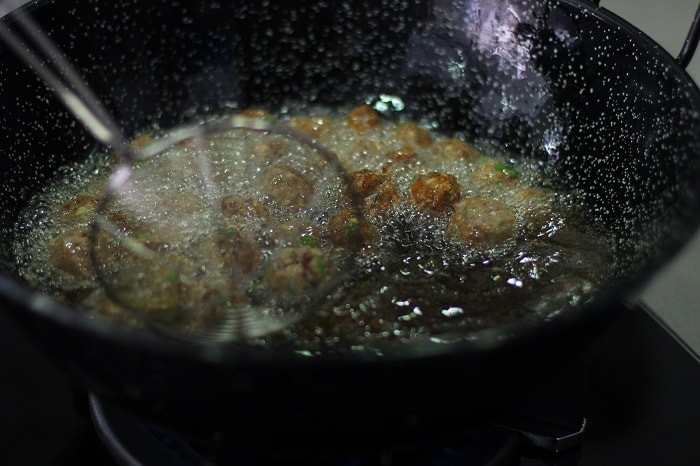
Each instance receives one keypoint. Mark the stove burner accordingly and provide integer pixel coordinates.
(132, 442)
(640, 398)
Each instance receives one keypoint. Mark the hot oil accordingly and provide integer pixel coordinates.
(411, 280)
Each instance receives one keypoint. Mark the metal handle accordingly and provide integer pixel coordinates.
(691, 41)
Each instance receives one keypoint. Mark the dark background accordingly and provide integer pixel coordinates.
(640, 400)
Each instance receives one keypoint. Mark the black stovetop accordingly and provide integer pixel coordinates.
(641, 402)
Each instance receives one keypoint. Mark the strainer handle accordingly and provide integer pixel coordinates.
(691, 41)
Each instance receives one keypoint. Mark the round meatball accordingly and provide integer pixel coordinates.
(479, 221)
(382, 200)
(287, 187)
(348, 230)
(435, 192)
(79, 210)
(269, 150)
(292, 233)
(314, 126)
(535, 207)
(366, 181)
(237, 206)
(376, 189)
(456, 149)
(238, 252)
(297, 269)
(181, 203)
(412, 134)
(495, 172)
(69, 252)
(403, 154)
(145, 275)
(363, 118)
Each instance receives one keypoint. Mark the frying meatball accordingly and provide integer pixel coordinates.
(79, 210)
(314, 126)
(363, 118)
(535, 207)
(269, 150)
(182, 203)
(495, 172)
(366, 181)
(382, 200)
(456, 149)
(435, 192)
(348, 230)
(365, 147)
(238, 252)
(277, 223)
(377, 190)
(135, 245)
(69, 252)
(290, 234)
(412, 134)
(147, 273)
(297, 269)
(479, 221)
(286, 187)
(237, 206)
(403, 154)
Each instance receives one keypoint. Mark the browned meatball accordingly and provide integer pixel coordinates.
(366, 181)
(238, 252)
(479, 221)
(435, 192)
(535, 207)
(412, 134)
(158, 291)
(297, 269)
(135, 246)
(269, 150)
(403, 154)
(377, 190)
(363, 118)
(293, 233)
(181, 203)
(456, 149)
(314, 126)
(286, 187)
(348, 230)
(216, 304)
(385, 198)
(148, 273)
(69, 252)
(494, 172)
(80, 209)
(237, 206)
(157, 236)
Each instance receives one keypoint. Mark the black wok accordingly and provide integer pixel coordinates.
(599, 104)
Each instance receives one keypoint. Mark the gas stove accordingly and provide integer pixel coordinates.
(632, 401)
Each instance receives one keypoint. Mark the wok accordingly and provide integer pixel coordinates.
(601, 106)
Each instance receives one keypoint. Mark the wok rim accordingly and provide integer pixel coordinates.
(44, 307)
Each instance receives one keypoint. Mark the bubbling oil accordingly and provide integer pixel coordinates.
(418, 275)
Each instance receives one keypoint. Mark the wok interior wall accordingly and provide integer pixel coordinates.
(598, 109)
